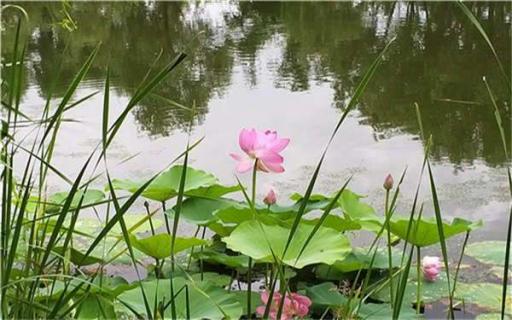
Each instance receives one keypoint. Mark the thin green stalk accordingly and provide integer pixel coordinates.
(418, 279)
(249, 269)
(456, 276)
(390, 257)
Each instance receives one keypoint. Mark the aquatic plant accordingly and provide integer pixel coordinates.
(55, 260)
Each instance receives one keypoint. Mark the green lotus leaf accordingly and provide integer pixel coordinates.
(215, 257)
(425, 232)
(259, 241)
(489, 252)
(96, 306)
(206, 301)
(76, 257)
(54, 202)
(166, 185)
(337, 223)
(159, 245)
(326, 295)
(201, 211)
(486, 296)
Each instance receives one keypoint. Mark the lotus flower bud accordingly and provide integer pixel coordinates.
(388, 183)
(270, 198)
(431, 267)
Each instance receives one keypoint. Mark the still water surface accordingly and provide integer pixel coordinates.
(291, 67)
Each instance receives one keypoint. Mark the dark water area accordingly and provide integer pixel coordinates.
(291, 67)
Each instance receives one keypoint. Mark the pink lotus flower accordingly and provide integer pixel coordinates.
(431, 267)
(271, 197)
(263, 146)
(294, 305)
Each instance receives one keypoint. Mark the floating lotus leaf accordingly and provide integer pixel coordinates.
(76, 257)
(166, 185)
(54, 202)
(425, 232)
(489, 252)
(259, 240)
(206, 301)
(326, 295)
(201, 211)
(486, 296)
(159, 245)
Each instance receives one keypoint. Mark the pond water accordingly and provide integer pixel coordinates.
(291, 67)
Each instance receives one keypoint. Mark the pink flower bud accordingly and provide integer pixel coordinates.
(431, 267)
(388, 183)
(270, 198)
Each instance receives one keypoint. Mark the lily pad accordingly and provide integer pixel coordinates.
(76, 257)
(91, 197)
(166, 185)
(201, 211)
(159, 245)
(259, 240)
(424, 233)
(222, 258)
(326, 295)
(489, 252)
(484, 295)
(206, 301)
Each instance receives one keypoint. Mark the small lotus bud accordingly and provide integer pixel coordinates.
(388, 183)
(270, 198)
(431, 267)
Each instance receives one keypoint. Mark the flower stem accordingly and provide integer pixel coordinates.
(390, 258)
(418, 276)
(249, 270)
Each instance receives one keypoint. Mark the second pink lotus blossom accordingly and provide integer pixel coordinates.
(294, 305)
(431, 267)
(263, 146)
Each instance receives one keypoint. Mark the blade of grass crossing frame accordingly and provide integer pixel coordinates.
(126, 237)
(326, 212)
(359, 90)
(105, 110)
(480, 29)
(442, 238)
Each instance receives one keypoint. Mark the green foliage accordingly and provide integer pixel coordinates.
(159, 246)
(425, 232)
(262, 242)
(488, 252)
(165, 186)
(205, 300)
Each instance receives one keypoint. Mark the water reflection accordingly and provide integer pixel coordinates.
(438, 60)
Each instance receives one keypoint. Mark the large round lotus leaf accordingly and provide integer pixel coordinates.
(206, 301)
(337, 223)
(425, 233)
(159, 245)
(215, 257)
(91, 197)
(96, 306)
(430, 291)
(486, 296)
(259, 241)
(166, 185)
(77, 257)
(491, 316)
(241, 212)
(490, 252)
(201, 211)
(326, 294)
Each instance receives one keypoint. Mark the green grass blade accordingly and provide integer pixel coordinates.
(355, 98)
(480, 29)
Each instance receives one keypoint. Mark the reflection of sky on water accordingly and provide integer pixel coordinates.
(262, 88)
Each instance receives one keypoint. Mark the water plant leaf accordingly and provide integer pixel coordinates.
(206, 301)
(425, 233)
(159, 245)
(166, 185)
(326, 295)
(260, 241)
(335, 222)
(91, 196)
(489, 252)
(215, 257)
(76, 257)
(484, 295)
(201, 211)
(96, 306)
